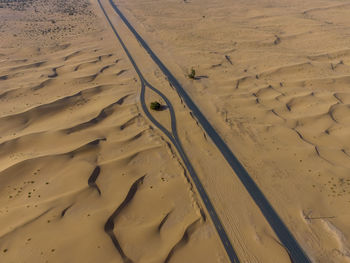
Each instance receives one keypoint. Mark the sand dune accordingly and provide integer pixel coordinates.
(83, 175)
(277, 89)
(86, 177)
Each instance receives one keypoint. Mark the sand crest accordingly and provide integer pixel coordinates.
(276, 86)
(83, 175)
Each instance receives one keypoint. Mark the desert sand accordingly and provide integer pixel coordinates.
(75, 149)
(276, 86)
(86, 177)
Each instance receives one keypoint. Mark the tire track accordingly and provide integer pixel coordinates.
(287, 239)
(173, 137)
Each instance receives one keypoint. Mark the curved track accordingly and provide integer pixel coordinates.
(296, 253)
(173, 137)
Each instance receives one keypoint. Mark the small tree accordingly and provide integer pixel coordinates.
(192, 75)
(155, 105)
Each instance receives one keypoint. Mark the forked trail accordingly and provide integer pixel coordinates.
(294, 250)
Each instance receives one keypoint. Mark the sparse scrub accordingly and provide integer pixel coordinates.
(155, 106)
(277, 40)
(192, 75)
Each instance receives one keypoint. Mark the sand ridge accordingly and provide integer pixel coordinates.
(83, 175)
(276, 88)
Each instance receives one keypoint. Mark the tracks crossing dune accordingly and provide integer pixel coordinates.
(174, 138)
(294, 250)
(72, 142)
(276, 104)
(83, 159)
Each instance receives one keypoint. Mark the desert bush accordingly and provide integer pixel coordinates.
(192, 75)
(155, 105)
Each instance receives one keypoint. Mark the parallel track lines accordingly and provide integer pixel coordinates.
(287, 239)
(173, 137)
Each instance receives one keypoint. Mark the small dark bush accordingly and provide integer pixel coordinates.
(192, 75)
(155, 105)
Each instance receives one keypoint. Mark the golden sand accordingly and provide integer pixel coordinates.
(81, 165)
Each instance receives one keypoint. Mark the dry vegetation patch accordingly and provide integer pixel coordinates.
(44, 22)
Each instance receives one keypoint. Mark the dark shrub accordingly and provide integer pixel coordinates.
(192, 75)
(155, 105)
